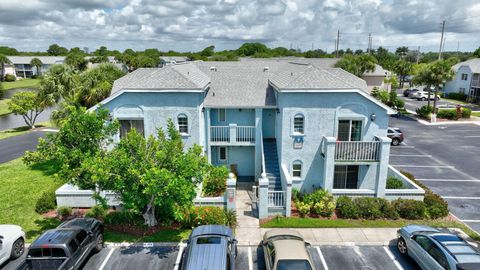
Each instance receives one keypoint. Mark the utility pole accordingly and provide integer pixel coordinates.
(443, 46)
(337, 43)
(458, 48)
(418, 54)
(441, 41)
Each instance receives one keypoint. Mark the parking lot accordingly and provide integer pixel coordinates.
(445, 159)
(251, 258)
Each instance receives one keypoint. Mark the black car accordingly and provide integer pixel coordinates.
(65, 247)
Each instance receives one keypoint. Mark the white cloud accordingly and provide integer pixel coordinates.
(193, 24)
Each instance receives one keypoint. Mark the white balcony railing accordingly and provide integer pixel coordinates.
(276, 199)
(220, 134)
(357, 151)
(245, 134)
(232, 134)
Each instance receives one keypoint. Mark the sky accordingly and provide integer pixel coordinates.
(191, 25)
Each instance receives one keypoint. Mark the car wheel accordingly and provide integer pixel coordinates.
(395, 141)
(18, 248)
(424, 99)
(402, 246)
(99, 243)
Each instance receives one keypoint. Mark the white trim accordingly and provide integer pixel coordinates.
(187, 115)
(295, 162)
(171, 90)
(226, 154)
(303, 114)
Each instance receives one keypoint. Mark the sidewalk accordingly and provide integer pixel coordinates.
(427, 123)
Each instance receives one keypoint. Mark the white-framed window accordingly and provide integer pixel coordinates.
(222, 154)
(298, 124)
(297, 169)
(182, 122)
(127, 124)
(349, 130)
(345, 177)
(222, 115)
(462, 90)
(464, 76)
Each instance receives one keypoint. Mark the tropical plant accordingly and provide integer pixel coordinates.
(76, 61)
(358, 65)
(402, 68)
(3, 61)
(37, 63)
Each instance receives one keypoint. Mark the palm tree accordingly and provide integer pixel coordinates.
(3, 61)
(357, 64)
(37, 63)
(402, 68)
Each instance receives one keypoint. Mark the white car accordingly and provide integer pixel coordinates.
(423, 95)
(12, 242)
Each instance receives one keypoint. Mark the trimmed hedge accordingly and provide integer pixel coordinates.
(46, 202)
(346, 208)
(10, 78)
(410, 209)
(319, 202)
(394, 183)
(457, 96)
(466, 112)
(205, 215)
(425, 111)
(448, 114)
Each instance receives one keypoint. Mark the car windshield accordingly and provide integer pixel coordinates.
(284, 237)
(293, 265)
(208, 240)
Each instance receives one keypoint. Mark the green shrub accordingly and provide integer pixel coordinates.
(447, 114)
(96, 212)
(215, 182)
(346, 208)
(466, 112)
(231, 218)
(457, 96)
(295, 194)
(124, 217)
(437, 207)
(205, 215)
(368, 208)
(410, 209)
(321, 202)
(10, 78)
(425, 111)
(303, 208)
(46, 202)
(394, 183)
(64, 211)
(388, 210)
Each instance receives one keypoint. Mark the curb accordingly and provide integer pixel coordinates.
(426, 123)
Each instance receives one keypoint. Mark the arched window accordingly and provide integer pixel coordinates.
(182, 121)
(297, 169)
(298, 124)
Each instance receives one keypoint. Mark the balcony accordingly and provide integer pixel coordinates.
(232, 135)
(357, 151)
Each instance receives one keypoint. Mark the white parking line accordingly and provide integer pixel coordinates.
(449, 180)
(250, 260)
(461, 198)
(179, 256)
(389, 253)
(404, 146)
(393, 155)
(324, 263)
(106, 259)
(471, 220)
(423, 166)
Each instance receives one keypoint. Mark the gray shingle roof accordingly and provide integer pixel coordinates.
(240, 84)
(177, 77)
(46, 60)
(473, 64)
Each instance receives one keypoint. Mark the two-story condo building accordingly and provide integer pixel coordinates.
(275, 124)
(466, 80)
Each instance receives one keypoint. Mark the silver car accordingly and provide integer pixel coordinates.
(433, 250)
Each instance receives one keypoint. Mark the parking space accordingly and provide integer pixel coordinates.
(444, 159)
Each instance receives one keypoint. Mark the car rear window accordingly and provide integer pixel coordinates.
(208, 240)
(46, 252)
(293, 264)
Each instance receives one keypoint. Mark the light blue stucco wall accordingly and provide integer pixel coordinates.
(322, 112)
(241, 117)
(157, 107)
(454, 85)
(243, 156)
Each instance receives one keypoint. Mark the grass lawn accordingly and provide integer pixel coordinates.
(163, 236)
(477, 114)
(453, 101)
(4, 107)
(21, 187)
(283, 222)
(23, 83)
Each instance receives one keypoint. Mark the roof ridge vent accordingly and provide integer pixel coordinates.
(213, 68)
(265, 68)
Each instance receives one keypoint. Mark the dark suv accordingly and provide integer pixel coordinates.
(65, 247)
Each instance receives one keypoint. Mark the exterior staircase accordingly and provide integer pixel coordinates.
(271, 163)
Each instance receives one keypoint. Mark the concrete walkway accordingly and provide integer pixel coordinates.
(248, 226)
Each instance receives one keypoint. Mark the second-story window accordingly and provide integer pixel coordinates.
(127, 125)
(222, 115)
(298, 124)
(182, 124)
(464, 76)
(349, 130)
(297, 169)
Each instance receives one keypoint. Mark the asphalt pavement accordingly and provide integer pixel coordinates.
(444, 158)
(345, 257)
(14, 147)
